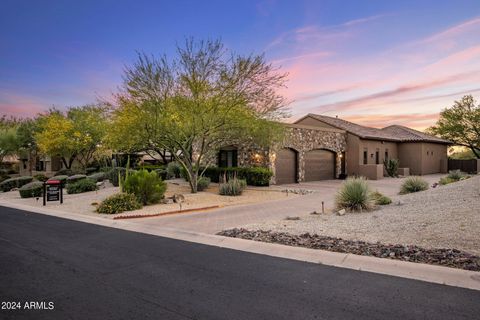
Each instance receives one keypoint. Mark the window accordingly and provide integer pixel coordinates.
(377, 156)
(386, 154)
(365, 156)
(431, 153)
(227, 158)
(428, 152)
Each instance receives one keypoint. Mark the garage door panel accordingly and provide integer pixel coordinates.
(286, 166)
(319, 165)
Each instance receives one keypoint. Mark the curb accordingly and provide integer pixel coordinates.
(416, 271)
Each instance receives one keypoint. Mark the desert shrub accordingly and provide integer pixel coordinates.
(446, 180)
(233, 187)
(81, 186)
(17, 182)
(391, 166)
(203, 183)
(413, 184)
(380, 199)
(173, 170)
(40, 177)
(151, 167)
(75, 178)
(115, 174)
(119, 202)
(97, 177)
(4, 177)
(31, 190)
(91, 170)
(354, 195)
(162, 173)
(456, 175)
(61, 178)
(148, 187)
(65, 172)
(105, 169)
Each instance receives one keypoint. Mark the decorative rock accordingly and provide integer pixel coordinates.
(292, 218)
(167, 201)
(444, 257)
(178, 198)
(341, 212)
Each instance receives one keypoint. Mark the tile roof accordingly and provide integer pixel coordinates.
(390, 133)
(408, 134)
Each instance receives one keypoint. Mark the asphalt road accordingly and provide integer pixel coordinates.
(93, 272)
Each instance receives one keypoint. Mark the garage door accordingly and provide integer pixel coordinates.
(286, 166)
(319, 165)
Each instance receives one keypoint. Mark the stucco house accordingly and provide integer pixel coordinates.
(318, 147)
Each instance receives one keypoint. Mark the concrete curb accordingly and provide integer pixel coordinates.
(410, 270)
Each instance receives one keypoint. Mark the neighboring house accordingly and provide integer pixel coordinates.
(318, 147)
(31, 164)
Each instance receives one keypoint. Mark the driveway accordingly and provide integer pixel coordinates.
(229, 217)
(94, 272)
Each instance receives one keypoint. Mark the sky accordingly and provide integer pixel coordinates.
(373, 62)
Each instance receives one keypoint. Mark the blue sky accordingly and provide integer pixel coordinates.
(375, 62)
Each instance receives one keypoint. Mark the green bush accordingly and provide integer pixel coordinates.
(413, 184)
(91, 170)
(354, 195)
(233, 187)
(81, 186)
(146, 186)
(119, 202)
(115, 173)
(65, 172)
(203, 183)
(61, 178)
(254, 176)
(31, 190)
(173, 170)
(40, 177)
(162, 173)
(97, 177)
(380, 199)
(391, 166)
(76, 178)
(456, 175)
(12, 183)
(446, 180)
(151, 167)
(4, 177)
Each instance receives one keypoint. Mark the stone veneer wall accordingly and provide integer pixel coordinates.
(303, 140)
(300, 139)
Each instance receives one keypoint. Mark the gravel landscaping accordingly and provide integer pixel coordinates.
(444, 257)
(442, 217)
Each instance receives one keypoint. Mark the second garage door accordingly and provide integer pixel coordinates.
(319, 165)
(286, 166)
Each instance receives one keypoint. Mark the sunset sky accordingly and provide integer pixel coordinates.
(372, 62)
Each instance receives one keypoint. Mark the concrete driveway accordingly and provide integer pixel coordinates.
(229, 217)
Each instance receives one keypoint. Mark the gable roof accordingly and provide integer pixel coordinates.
(394, 133)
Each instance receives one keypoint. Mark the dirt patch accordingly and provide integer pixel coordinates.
(443, 257)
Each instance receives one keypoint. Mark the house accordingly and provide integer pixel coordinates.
(318, 147)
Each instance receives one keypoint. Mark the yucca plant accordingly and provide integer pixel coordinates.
(354, 195)
(413, 184)
(233, 187)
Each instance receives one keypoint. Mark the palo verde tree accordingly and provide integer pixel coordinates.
(460, 124)
(74, 135)
(202, 99)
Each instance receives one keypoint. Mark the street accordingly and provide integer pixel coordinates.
(92, 272)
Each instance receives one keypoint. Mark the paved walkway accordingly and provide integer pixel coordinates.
(235, 216)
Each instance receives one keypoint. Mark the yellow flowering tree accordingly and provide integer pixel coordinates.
(74, 135)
